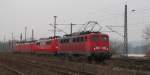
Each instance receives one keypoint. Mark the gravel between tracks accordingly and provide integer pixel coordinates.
(4, 70)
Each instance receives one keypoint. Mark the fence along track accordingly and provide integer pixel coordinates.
(11, 69)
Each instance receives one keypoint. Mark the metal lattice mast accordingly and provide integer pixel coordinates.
(125, 32)
(32, 35)
(21, 37)
(25, 34)
(55, 25)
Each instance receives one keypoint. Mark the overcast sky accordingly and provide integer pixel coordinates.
(37, 14)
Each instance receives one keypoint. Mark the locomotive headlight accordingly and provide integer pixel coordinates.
(94, 49)
(104, 47)
(107, 48)
(97, 47)
(56, 46)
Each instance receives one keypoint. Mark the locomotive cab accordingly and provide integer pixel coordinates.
(99, 45)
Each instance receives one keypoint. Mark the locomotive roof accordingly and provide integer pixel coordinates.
(77, 34)
(80, 33)
(27, 41)
(49, 38)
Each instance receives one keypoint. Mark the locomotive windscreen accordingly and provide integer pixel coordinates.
(104, 38)
(95, 38)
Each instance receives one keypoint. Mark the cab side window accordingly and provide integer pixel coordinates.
(38, 43)
(48, 42)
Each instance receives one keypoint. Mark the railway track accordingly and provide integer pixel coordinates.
(34, 65)
(60, 67)
(14, 71)
(21, 67)
(54, 67)
(130, 63)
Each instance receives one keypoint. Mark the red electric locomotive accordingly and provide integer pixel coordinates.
(27, 46)
(49, 45)
(43, 45)
(94, 45)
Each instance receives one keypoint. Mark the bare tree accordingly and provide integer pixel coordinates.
(146, 36)
(116, 47)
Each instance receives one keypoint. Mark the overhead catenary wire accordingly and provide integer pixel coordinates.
(111, 30)
(58, 29)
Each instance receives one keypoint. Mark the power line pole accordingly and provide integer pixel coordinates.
(32, 35)
(4, 43)
(12, 37)
(25, 33)
(71, 28)
(125, 32)
(21, 37)
(55, 25)
(4, 38)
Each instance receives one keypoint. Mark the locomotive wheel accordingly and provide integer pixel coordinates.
(70, 57)
(92, 59)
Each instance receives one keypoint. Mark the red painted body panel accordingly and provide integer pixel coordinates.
(51, 47)
(88, 45)
(34, 47)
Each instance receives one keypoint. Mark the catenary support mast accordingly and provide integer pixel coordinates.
(125, 32)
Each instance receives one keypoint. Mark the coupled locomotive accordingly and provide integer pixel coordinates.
(93, 45)
(43, 45)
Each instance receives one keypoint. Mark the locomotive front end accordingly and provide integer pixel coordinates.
(100, 46)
